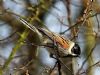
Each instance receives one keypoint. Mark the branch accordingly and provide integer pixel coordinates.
(86, 59)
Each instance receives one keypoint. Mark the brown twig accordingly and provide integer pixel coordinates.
(83, 19)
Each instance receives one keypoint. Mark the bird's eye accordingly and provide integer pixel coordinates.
(76, 49)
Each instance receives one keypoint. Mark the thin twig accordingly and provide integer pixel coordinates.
(59, 68)
(89, 68)
(98, 22)
(7, 38)
(27, 64)
(80, 21)
(53, 68)
(65, 66)
(86, 59)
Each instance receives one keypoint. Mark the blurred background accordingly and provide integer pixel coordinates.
(78, 20)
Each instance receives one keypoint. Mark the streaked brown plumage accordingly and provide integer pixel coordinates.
(65, 46)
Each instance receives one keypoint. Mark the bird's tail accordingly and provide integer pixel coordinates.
(30, 26)
(39, 31)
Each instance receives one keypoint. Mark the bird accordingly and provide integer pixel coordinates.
(63, 46)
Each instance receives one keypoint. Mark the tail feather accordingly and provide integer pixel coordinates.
(39, 31)
(28, 25)
(31, 27)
